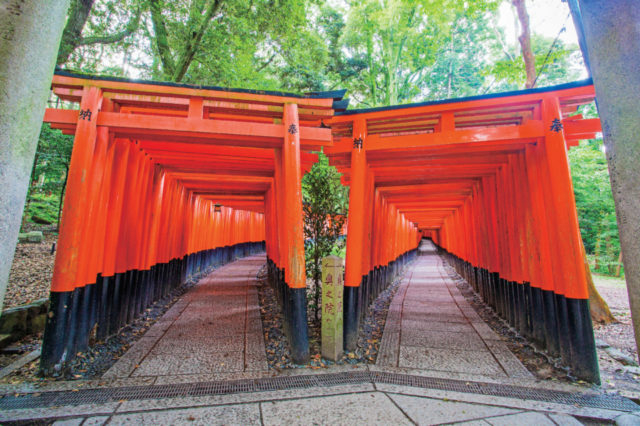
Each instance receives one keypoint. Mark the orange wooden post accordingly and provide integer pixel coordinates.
(65, 270)
(355, 235)
(574, 296)
(295, 275)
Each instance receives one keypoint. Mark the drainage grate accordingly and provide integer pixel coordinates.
(607, 402)
(106, 395)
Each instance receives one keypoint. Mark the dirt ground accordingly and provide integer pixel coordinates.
(615, 375)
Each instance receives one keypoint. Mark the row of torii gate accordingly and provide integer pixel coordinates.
(167, 180)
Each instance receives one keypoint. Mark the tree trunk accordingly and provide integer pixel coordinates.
(72, 35)
(525, 43)
(619, 265)
(60, 202)
(600, 312)
(78, 15)
(30, 35)
(612, 36)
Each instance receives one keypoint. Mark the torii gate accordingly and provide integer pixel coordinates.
(167, 179)
(487, 178)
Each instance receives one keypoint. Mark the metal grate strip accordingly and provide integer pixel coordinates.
(106, 395)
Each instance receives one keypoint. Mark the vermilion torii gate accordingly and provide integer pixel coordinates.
(487, 178)
(167, 179)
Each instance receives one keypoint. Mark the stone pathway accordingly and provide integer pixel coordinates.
(431, 327)
(215, 328)
(214, 332)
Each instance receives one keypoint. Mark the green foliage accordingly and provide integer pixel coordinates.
(594, 201)
(325, 203)
(553, 65)
(396, 43)
(42, 206)
(48, 176)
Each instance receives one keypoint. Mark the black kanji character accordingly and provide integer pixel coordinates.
(556, 125)
(357, 143)
(85, 114)
(293, 129)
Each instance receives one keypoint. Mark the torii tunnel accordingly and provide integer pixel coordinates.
(167, 180)
(487, 179)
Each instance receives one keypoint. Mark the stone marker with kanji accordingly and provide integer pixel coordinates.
(332, 289)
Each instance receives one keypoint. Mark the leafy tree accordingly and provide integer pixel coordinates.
(594, 201)
(325, 203)
(399, 41)
(221, 41)
(90, 26)
(49, 175)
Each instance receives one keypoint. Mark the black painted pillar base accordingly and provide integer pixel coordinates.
(53, 344)
(351, 316)
(299, 335)
(584, 359)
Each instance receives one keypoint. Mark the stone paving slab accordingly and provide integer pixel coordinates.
(214, 328)
(444, 340)
(435, 411)
(480, 362)
(245, 414)
(362, 409)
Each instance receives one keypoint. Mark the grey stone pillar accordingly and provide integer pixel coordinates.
(30, 32)
(612, 33)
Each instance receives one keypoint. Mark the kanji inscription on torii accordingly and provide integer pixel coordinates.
(332, 291)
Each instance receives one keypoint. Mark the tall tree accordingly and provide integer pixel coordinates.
(525, 42)
(399, 41)
(200, 15)
(78, 17)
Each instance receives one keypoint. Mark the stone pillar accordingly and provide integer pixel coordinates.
(30, 33)
(332, 290)
(612, 33)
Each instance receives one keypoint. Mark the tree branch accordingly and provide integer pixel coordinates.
(190, 49)
(129, 29)
(71, 35)
(162, 42)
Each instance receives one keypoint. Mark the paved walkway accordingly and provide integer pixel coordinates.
(214, 332)
(214, 328)
(432, 328)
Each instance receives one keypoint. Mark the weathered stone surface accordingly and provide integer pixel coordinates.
(210, 330)
(436, 411)
(357, 409)
(332, 292)
(246, 414)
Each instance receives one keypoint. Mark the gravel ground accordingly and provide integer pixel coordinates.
(30, 276)
(277, 347)
(619, 335)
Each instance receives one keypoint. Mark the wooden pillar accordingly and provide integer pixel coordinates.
(63, 299)
(574, 293)
(294, 263)
(355, 235)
